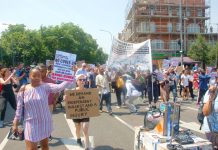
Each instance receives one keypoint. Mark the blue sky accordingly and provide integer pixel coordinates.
(91, 15)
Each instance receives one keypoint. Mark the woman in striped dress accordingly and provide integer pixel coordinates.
(37, 116)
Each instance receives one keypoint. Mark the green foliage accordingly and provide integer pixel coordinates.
(21, 44)
(200, 50)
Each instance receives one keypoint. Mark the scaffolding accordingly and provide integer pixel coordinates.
(158, 20)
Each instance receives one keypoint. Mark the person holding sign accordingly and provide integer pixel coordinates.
(32, 106)
(83, 122)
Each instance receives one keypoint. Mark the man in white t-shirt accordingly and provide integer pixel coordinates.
(184, 83)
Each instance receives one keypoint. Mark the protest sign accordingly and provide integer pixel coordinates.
(174, 62)
(63, 66)
(136, 55)
(179, 69)
(82, 103)
(166, 64)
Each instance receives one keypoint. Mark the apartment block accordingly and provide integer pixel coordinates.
(168, 23)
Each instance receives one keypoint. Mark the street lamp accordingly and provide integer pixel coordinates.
(185, 41)
(180, 21)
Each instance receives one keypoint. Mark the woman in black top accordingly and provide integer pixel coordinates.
(7, 81)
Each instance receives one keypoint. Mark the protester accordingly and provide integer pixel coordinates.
(195, 80)
(172, 83)
(83, 71)
(210, 110)
(190, 84)
(131, 95)
(164, 87)
(185, 85)
(52, 96)
(203, 85)
(102, 83)
(7, 80)
(21, 76)
(83, 122)
(152, 88)
(119, 88)
(33, 98)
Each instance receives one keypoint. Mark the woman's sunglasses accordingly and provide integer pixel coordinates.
(82, 80)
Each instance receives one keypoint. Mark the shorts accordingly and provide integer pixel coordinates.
(81, 120)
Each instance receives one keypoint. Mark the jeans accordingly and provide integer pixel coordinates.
(130, 105)
(107, 98)
(174, 91)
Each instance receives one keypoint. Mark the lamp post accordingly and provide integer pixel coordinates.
(180, 21)
(185, 42)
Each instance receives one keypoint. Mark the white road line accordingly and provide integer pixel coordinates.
(4, 142)
(125, 123)
(73, 131)
(190, 108)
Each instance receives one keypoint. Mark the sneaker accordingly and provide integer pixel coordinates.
(50, 138)
(79, 142)
(100, 111)
(118, 107)
(110, 113)
(1, 124)
(38, 145)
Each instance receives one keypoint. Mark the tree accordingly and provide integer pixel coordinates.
(213, 55)
(21, 44)
(200, 50)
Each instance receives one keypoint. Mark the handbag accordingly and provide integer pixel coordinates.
(18, 135)
(152, 118)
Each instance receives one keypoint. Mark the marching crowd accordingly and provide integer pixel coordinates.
(37, 94)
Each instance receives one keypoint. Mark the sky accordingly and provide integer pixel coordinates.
(91, 15)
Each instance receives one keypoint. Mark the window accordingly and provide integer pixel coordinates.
(188, 12)
(157, 45)
(152, 27)
(193, 28)
(170, 11)
(199, 12)
(152, 10)
(177, 11)
(178, 27)
(170, 27)
(173, 45)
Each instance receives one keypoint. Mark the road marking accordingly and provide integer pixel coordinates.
(4, 142)
(125, 123)
(73, 131)
(190, 108)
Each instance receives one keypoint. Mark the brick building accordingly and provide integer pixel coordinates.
(160, 21)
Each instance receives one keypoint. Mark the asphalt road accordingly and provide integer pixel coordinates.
(107, 132)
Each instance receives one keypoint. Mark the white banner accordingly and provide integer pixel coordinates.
(63, 66)
(125, 54)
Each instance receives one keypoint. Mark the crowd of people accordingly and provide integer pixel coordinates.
(37, 92)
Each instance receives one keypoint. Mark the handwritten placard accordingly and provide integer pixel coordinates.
(82, 103)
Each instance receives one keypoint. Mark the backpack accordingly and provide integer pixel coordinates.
(120, 83)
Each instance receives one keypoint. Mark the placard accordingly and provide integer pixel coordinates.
(82, 103)
(63, 66)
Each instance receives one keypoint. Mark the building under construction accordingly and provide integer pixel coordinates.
(172, 25)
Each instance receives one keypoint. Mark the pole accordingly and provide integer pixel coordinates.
(181, 41)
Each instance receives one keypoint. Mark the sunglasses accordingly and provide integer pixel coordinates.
(82, 80)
